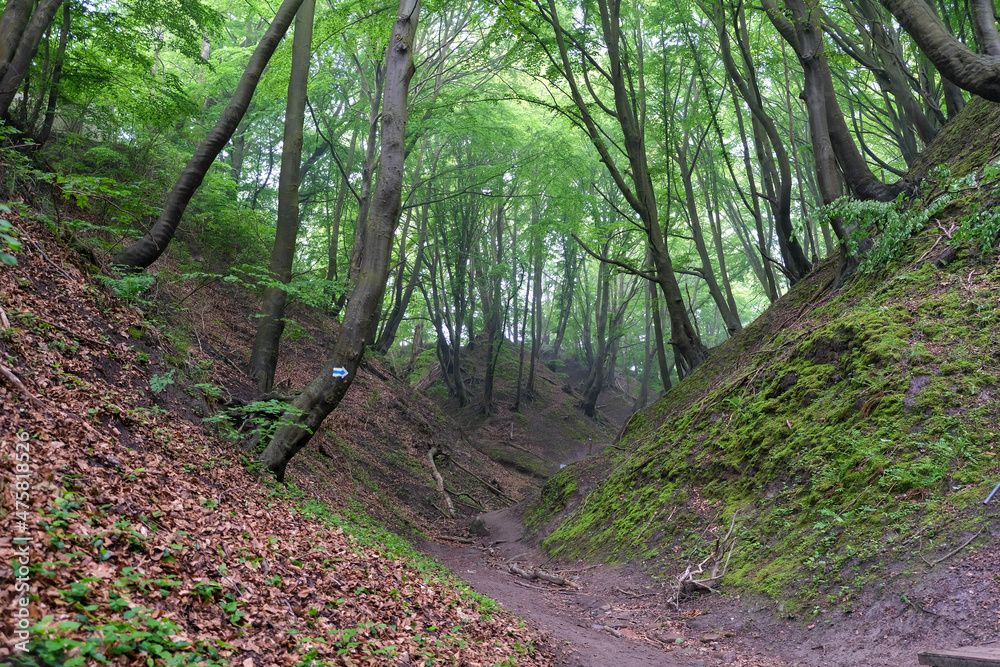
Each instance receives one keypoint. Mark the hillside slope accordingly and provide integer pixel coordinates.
(139, 537)
(849, 436)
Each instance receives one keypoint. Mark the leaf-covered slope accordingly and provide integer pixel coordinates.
(847, 430)
(147, 541)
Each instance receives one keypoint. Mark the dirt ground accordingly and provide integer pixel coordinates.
(620, 615)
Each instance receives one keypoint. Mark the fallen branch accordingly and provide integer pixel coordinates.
(17, 384)
(86, 339)
(687, 584)
(46, 257)
(485, 483)
(535, 573)
(634, 595)
(955, 551)
(456, 538)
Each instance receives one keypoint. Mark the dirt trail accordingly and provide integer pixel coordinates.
(955, 605)
(583, 624)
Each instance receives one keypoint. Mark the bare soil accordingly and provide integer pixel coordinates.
(622, 615)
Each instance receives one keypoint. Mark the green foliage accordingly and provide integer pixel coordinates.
(979, 227)
(263, 418)
(130, 287)
(9, 243)
(889, 225)
(139, 636)
(160, 382)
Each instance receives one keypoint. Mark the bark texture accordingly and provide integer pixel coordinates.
(271, 324)
(976, 73)
(24, 52)
(325, 392)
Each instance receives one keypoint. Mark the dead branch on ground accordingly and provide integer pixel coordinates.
(440, 482)
(716, 563)
(535, 573)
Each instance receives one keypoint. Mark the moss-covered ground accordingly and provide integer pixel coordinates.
(851, 431)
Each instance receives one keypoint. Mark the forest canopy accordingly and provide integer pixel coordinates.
(618, 185)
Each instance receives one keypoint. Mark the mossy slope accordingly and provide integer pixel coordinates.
(848, 430)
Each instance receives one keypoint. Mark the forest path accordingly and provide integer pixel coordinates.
(577, 621)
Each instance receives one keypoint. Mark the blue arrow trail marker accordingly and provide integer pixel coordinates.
(339, 372)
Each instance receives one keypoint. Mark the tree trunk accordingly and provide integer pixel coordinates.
(325, 392)
(147, 250)
(16, 15)
(629, 112)
(730, 317)
(26, 48)
(50, 109)
(595, 379)
(566, 291)
(794, 258)
(333, 240)
(536, 307)
(976, 73)
(271, 323)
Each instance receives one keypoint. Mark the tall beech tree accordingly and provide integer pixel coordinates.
(148, 249)
(325, 392)
(271, 324)
(623, 74)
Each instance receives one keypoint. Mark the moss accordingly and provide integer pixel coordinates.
(836, 438)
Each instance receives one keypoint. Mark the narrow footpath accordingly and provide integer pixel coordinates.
(610, 618)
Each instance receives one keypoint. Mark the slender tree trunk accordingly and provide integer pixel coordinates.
(271, 323)
(26, 48)
(595, 379)
(629, 112)
(146, 250)
(661, 352)
(367, 172)
(50, 109)
(731, 318)
(333, 244)
(566, 291)
(647, 360)
(325, 392)
(536, 307)
(520, 363)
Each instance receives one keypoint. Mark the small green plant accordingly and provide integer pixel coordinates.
(130, 287)
(263, 417)
(888, 225)
(159, 382)
(8, 238)
(206, 590)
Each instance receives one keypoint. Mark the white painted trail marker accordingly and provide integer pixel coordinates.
(339, 372)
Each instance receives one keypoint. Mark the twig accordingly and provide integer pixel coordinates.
(455, 538)
(634, 595)
(955, 551)
(86, 339)
(3, 319)
(46, 257)
(17, 384)
(485, 483)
